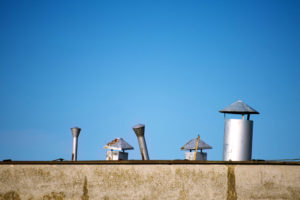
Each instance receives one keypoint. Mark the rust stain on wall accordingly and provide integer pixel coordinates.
(182, 195)
(105, 198)
(54, 196)
(231, 190)
(85, 195)
(11, 195)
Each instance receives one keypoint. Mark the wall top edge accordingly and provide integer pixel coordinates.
(149, 162)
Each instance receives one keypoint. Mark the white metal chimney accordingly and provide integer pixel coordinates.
(238, 132)
(75, 133)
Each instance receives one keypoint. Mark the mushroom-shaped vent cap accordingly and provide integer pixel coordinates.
(191, 145)
(118, 144)
(239, 107)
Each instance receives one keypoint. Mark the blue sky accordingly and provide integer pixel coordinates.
(107, 65)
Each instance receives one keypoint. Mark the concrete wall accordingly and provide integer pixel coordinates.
(148, 181)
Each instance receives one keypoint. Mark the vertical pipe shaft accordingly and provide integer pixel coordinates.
(75, 133)
(139, 130)
(237, 140)
(74, 152)
(143, 148)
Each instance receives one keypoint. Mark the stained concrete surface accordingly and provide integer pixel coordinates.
(109, 182)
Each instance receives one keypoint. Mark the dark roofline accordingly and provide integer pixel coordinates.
(149, 162)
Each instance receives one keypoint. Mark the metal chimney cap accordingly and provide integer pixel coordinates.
(191, 145)
(139, 126)
(239, 107)
(118, 144)
(139, 130)
(75, 131)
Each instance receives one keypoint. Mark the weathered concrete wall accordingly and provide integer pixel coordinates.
(58, 182)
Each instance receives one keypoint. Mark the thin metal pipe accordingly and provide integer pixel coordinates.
(75, 146)
(75, 133)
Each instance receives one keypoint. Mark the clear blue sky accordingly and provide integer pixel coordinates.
(107, 65)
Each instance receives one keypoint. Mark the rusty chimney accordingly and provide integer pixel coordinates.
(139, 130)
(75, 133)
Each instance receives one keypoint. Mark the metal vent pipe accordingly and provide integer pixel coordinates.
(237, 140)
(139, 130)
(238, 133)
(75, 133)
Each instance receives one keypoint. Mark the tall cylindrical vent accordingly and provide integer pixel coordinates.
(238, 132)
(75, 133)
(237, 140)
(139, 130)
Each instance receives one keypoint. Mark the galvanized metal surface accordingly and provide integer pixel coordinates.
(75, 147)
(118, 144)
(239, 107)
(237, 140)
(139, 130)
(75, 133)
(191, 145)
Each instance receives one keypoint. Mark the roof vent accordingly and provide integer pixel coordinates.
(239, 107)
(139, 130)
(196, 144)
(75, 132)
(238, 132)
(118, 144)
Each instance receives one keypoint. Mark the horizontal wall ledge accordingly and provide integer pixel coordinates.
(148, 162)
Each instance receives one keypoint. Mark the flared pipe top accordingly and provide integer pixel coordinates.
(75, 131)
(139, 129)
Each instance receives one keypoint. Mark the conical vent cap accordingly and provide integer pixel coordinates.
(239, 107)
(118, 144)
(191, 145)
